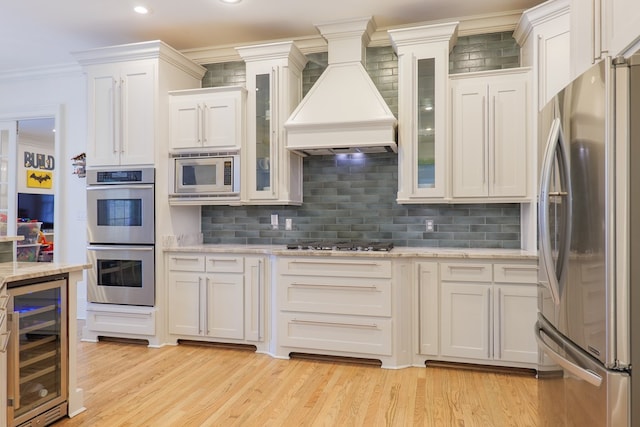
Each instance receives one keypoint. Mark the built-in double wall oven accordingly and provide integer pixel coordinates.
(121, 231)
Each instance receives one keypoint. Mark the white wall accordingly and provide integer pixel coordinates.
(62, 90)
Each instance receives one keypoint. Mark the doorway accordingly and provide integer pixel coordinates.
(27, 186)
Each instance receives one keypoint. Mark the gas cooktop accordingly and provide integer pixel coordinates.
(342, 246)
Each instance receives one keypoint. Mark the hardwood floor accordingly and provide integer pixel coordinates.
(193, 385)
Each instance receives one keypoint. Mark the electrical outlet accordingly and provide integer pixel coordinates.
(274, 221)
(428, 224)
(288, 224)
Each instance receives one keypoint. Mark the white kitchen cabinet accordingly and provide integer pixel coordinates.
(544, 36)
(217, 297)
(423, 67)
(337, 306)
(428, 308)
(490, 136)
(271, 174)
(488, 312)
(206, 296)
(602, 28)
(621, 25)
(128, 100)
(121, 114)
(209, 119)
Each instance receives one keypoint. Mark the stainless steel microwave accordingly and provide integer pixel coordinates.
(206, 175)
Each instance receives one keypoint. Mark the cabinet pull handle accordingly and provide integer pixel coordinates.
(498, 336)
(205, 115)
(206, 306)
(494, 145)
(342, 263)
(523, 268)
(340, 324)
(235, 260)
(6, 336)
(484, 140)
(123, 115)
(199, 124)
(466, 267)
(259, 300)
(200, 306)
(115, 91)
(177, 258)
(313, 285)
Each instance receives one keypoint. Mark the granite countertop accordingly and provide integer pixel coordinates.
(13, 271)
(11, 238)
(396, 252)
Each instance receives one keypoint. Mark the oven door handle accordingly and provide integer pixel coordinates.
(120, 187)
(128, 248)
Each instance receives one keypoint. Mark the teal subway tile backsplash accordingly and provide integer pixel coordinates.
(349, 198)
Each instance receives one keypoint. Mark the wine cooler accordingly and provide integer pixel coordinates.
(37, 365)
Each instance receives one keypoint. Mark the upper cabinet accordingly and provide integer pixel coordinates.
(209, 119)
(128, 101)
(271, 173)
(490, 135)
(544, 36)
(602, 28)
(423, 65)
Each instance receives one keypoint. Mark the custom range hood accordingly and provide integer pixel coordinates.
(343, 112)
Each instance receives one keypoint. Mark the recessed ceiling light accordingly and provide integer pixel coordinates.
(230, 1)
(141, 10)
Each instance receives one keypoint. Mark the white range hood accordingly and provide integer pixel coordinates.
(344, 111)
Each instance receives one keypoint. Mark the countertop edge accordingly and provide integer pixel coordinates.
(397, 252)
(14, 271)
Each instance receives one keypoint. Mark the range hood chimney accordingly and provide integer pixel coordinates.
(343, 112)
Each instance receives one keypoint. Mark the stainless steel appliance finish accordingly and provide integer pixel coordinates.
(121, 274)
(121, 218)
(588, 252)
(121, 206)
(205, 175)
(37, 365)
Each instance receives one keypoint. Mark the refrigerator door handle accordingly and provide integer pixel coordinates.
(555, 150)
(580, 372)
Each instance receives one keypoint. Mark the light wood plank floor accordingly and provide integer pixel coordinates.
(191, 385)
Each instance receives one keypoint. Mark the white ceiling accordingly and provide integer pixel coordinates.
(42, 33)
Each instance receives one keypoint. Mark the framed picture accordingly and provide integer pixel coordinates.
(37, 178)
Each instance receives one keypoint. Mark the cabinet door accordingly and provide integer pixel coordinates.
(428, 308)
(516, 309)
(469, 139)
(508, 133)
(185, 124)
(184, 303)
(221, 124)
(224, 296)
(621, 25)
(121, 115)
(137, 128)
(465, 320)
(103, 148)
(254, 301)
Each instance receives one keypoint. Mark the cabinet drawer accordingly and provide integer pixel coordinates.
(515, 273)
(224, 264)
(337, 267)
(466, 272)
(186, 262)
(136, 320)
(332, 295)
(352, 334)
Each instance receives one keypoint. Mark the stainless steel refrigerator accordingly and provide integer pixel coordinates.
(588, 325)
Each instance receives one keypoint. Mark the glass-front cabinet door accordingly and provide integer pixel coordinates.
(271, 174)
(263, 144)
(423, 67)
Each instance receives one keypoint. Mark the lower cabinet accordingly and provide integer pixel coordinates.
(487, 312)
(336, 306)
(216, 296)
